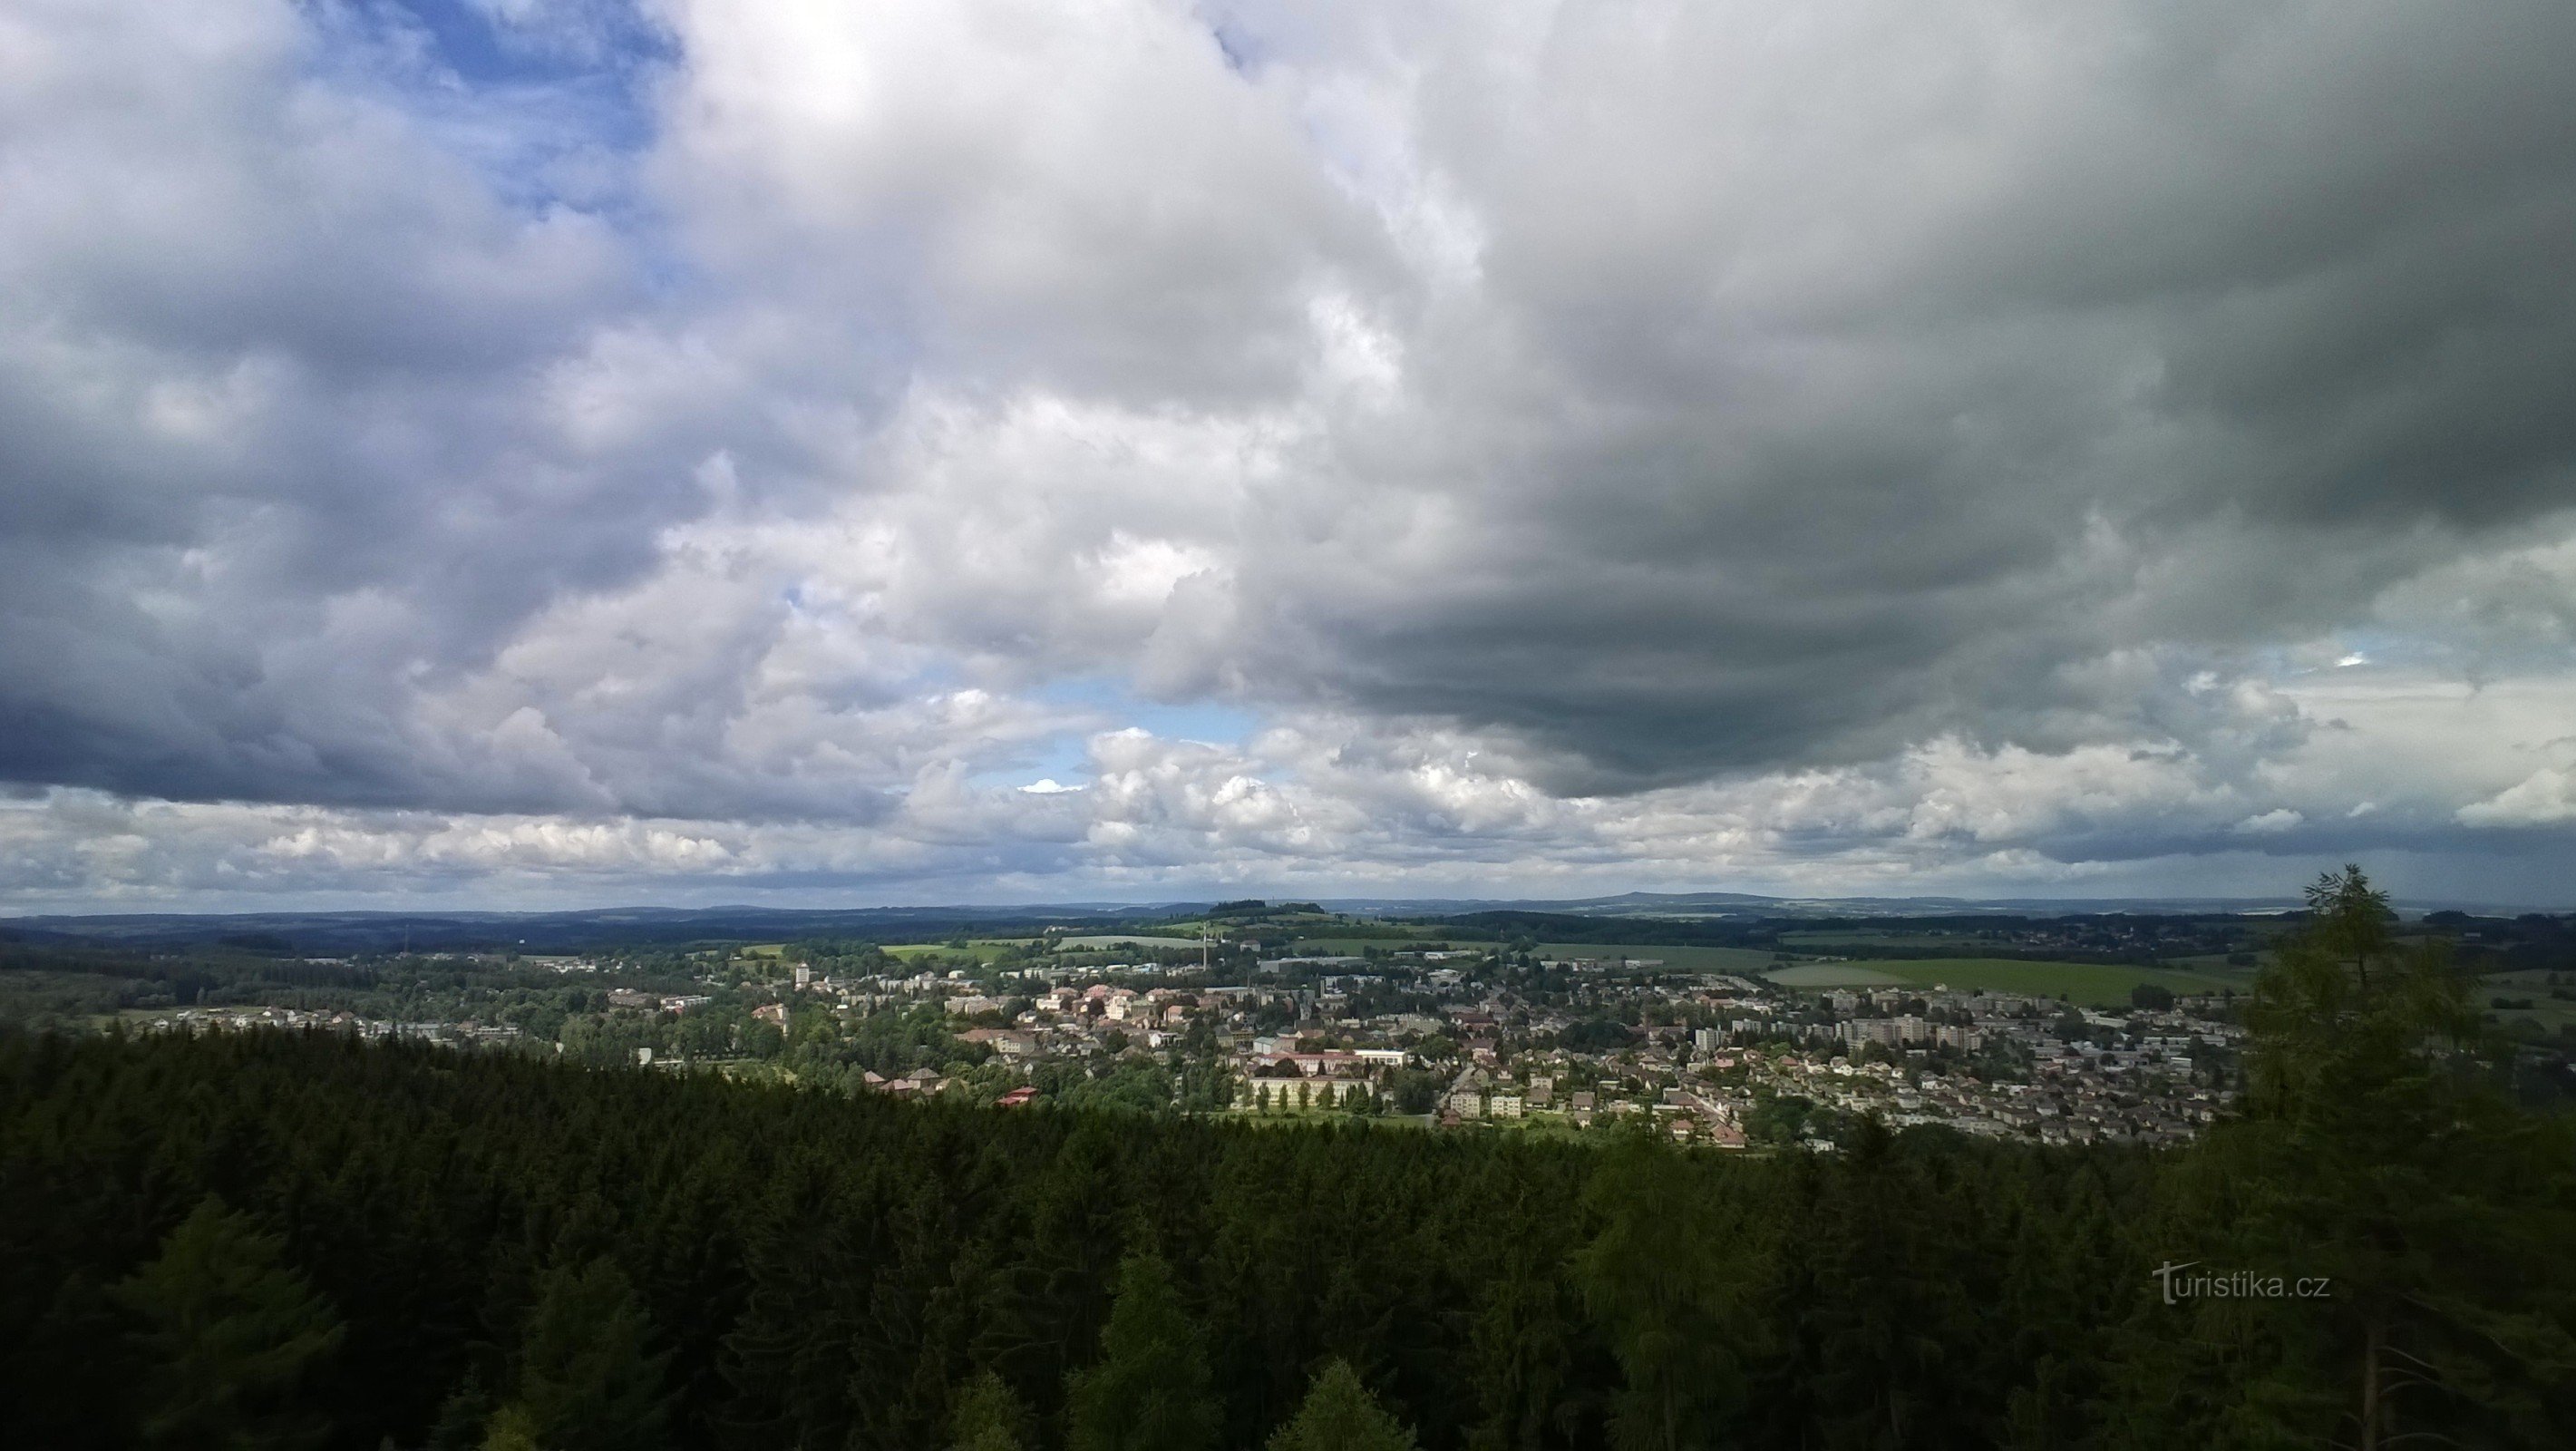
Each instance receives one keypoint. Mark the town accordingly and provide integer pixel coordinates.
(1464, 1037)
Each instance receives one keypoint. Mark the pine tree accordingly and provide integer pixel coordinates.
(1149, 1391)
(1339, 1414)
(232, 1336)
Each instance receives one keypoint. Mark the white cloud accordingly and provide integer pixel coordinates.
(1858, 443)
(2547, 797)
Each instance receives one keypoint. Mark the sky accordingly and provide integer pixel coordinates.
(518, 453)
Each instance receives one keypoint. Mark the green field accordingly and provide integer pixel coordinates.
(2533, 984)
(1741, 960)
(2217, 965)
(1830, 974)
(1125, 939)
(2088, 983)
(981, 949)
(1353, 946)
(1869, 939)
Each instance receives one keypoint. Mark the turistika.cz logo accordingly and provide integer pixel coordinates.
(2237, 1285)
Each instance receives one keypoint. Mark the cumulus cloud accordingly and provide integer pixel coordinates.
(2546, 797)
(1857, 442)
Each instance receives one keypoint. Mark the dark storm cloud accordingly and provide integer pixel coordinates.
(1861, 378)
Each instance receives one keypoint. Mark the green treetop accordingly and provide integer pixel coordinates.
(230, 1334)
(1149, 1391)
(1339, 1414)
(988, 1416)
(588, 1378)
(2379, 1159)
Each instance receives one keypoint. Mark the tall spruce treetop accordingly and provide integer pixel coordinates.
(988, 1416)
(231, 1335)
(588, 1377)
(2379, 1158)
(1667, 1278)
(1149, 1391)
(1339, 1414)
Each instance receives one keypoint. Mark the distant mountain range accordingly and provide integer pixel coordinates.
(541, 932)
(1748, 905)
(337, 933)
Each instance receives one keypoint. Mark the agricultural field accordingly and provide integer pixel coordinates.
(2531, 986)
(1357, 946)
(981, 949)
(1816, 941)
(2084, 983)
(1343, 928)
(1742, 960)
(2216, 965)
(1830, 974)
(1121, 939)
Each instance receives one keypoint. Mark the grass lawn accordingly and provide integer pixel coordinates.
(1745, 961)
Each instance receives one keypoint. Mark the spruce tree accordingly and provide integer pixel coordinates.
(464, 1417)
(1149, 1391)
(989, 1416)
(1668, 1278)
(1339, 1414)
(2379, 1162)
(588, 1378)
(231, 1337)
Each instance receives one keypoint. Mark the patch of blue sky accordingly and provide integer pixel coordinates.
(1064, 759)
(2365, 646)
(1059, 761)
(1204, 721)
(549, 99)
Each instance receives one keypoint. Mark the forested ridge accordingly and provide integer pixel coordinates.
(269, 1239)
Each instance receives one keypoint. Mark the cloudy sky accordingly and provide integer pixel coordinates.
(528, 452)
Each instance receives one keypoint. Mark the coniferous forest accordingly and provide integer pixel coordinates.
(275, 1240)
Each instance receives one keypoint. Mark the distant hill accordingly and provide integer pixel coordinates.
(340, 933)
(1683, 905)
(335, 933)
